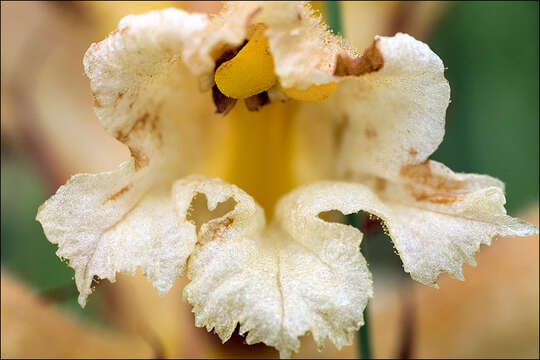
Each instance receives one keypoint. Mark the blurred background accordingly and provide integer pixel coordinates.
(49, 132)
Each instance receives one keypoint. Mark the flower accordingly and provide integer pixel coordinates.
(168, 329)
(296, 106)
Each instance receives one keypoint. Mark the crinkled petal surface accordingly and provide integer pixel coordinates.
(111, 222)
(438, 219)
(298, 275)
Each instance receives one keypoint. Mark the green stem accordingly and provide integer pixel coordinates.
(333, 16)
(364, 343)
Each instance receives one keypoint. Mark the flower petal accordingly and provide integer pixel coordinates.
(381, 126)
(148, 98)
(387, 117)
(300, 274)
(397, 113)
(438, 219)
(119, 220)
(114, 221)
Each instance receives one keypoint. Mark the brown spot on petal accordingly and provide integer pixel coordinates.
(413, 152)
(422, 174)
(123, 136)
(222, 228)
(155, 130)
(143, 135)
(339, 129)
(255, 102)
(372, 60)
(141, 160)
(370, 132)
(427, 186)
(145, 123)
(97, 103)
(380, 184)
(117, 194)
(433, 197)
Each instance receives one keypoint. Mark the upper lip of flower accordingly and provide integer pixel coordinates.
(299, 273)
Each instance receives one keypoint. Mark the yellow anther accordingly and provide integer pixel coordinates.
(314, 93)
(250, 72)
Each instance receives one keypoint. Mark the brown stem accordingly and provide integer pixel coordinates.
(408, 322)
(59, 294)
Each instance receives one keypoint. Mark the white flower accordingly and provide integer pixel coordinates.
(364, 124)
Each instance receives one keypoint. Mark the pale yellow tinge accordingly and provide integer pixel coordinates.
(260, 150)
(258, 144)
(314, 93)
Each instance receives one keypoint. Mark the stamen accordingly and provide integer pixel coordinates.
(255, 102)
(223, 103)
(250, 72)
(314, 93)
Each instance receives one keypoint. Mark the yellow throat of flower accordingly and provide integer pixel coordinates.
(259, 139)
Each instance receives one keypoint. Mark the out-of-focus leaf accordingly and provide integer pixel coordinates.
(32, 328)
(25, 250)
(23, 244)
